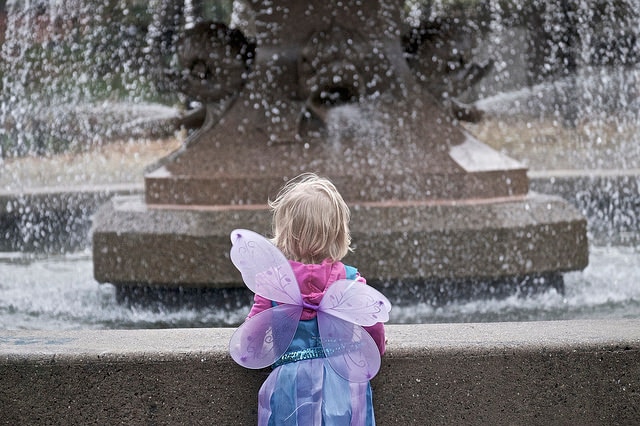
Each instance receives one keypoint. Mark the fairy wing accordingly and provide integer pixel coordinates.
(350, 350)
(264, 268)
(345, 307)
(355, 302)
(263, 338)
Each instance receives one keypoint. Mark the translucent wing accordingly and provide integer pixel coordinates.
(264, 268)
(350, 350)
(263, 338)
(355, 302)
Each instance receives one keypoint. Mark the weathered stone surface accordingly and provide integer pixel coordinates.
(493, 239)
(563, 372)
(135, 244)
(356, 114)
(373, 169)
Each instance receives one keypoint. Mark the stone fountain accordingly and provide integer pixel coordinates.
(325, 87)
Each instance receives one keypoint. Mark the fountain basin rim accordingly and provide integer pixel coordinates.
(354, 205)
(564, 372)
(581, 173)
(404, 341)
(129, 187)
(73, 189)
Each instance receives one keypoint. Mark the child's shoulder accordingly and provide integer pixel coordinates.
(351, 271)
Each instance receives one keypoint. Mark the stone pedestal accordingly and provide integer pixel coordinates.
(330, 92)
(430, 242)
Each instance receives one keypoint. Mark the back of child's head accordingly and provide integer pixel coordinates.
(311, 220)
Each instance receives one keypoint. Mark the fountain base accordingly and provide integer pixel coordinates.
(558, 372)
(430, 241)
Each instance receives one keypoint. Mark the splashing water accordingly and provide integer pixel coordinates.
(62, 60)
(600, 124)
(608, 288)
(60, 293)
(562, 91)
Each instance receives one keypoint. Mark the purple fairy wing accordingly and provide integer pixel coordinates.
(355, 302)
(263, 338)
(350, 350)
(264, 268)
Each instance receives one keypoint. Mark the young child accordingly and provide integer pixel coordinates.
(311, 228)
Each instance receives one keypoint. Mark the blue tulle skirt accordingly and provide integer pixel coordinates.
(309, 392)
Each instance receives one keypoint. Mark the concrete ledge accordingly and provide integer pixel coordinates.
(568, 372)
(59, 219)
(134, 244)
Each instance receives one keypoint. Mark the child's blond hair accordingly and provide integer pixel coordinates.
(311, 220)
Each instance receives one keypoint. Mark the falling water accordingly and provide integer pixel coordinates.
(74, 74)
(563, 94)
(572, 104)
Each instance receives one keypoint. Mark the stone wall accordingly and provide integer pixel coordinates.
(566, 372)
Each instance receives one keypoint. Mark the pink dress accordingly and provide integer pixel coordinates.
(303, 389)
